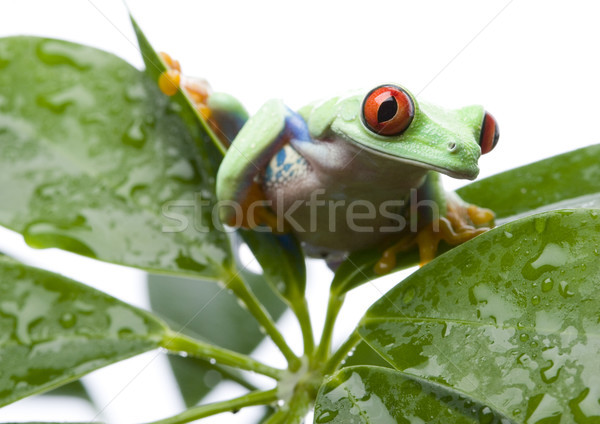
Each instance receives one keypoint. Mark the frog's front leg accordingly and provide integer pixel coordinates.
(239, 179)
(456, 223)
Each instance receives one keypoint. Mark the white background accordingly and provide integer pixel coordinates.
(535, 65)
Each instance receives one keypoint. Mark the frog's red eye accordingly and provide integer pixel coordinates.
(388, 110)
(489, 134)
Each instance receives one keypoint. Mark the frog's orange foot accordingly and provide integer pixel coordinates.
(387, 262)
(169, 80)
(459, 225)
(197, 89)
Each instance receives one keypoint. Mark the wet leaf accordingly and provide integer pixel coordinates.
(208, 312)
(510, 319)
(364, 354)
(54, 330)
(374, 395)
(280, 256)
(95, 160)
(201, 133)
(550, 181)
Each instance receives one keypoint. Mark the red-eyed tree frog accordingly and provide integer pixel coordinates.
(355, 171)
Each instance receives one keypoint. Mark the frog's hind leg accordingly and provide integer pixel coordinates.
(461, 223)
(458, 222)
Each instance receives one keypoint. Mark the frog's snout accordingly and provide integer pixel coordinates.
(490, 133)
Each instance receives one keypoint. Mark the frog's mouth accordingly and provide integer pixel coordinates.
(460, 172)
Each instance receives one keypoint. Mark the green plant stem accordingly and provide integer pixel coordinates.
(294, 412)
(279, 417)
(303, 315)
(233, 405)
(177, 342)
(333, 308)
(336, 359)
(245, 294)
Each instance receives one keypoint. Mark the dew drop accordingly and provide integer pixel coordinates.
(563, 289)
(524, 337)
(58, 101)
(535, 300)
(212, 361)
(135, 135)
(540, 224)
(409, 295)
(134, 93)
(212, 378)
(486, 416)
(46, 234)
(68, 320)
(181, 170)
(326, 416)
(547, 285)
(53, 52)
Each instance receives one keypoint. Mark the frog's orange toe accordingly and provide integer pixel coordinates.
(168, 82)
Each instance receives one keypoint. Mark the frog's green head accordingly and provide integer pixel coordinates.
(389, 121)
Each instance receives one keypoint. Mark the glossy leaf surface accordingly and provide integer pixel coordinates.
(568, 176)
(55, 330)
(95, 160)
(509, 319)
(374, 395)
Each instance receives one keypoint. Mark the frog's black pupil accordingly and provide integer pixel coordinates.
(387, 109)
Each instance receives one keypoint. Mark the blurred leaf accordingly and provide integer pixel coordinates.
(54, 330)
(383, 396)
(94, 159)
(509, 319)
(211, 313)
(73, 389)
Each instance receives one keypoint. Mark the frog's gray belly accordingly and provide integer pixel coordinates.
(331, 217)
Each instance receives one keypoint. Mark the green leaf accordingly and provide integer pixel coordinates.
(358, 268)
(374, 395)
(196, 125)
(569, 180)
(509, 318)
(92, 153)
(54, 330)
(364, 354)
(547, 182)
(208, 312)
(281, 257)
